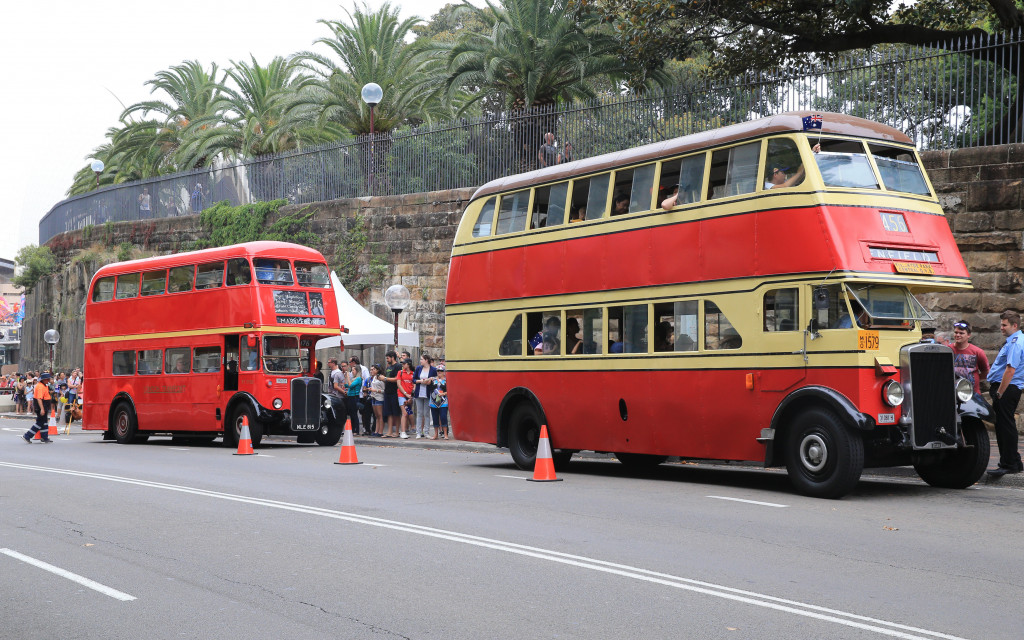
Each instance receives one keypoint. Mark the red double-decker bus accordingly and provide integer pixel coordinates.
(189, 344)
(745, 294)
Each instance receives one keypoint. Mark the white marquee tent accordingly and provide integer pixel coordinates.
(364, 328)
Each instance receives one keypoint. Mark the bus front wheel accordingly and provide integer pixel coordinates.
(960, 468)
(523, 435)
(329, 435)
(823, 458)
(125, 424)
(233, 430)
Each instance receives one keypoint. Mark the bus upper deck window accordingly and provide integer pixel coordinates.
(312, 274)
(238, 272)
(597, 196)
(154, 282)
(482, 227)
(783, 164)
(734, 170)
(549, 205)
(843, 163)
(127, 286)
(640, 187)
(210, 275)
(104, 289)
(899, 169)
(272, 271)
(512, 212)
(179, 279)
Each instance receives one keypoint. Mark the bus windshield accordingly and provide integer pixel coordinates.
(271, 271)
(888, 306)
(843, 163)
(281, 354)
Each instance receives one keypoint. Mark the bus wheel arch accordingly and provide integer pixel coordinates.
(242, 405)
(824, 457)
(958, 468)
(805, 399)
(520, 417)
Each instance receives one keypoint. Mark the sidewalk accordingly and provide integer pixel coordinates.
(1013, 480)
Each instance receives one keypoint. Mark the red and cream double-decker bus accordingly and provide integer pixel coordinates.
(741, 294)
(189, 344)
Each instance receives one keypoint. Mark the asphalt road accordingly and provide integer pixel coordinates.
(193, 542)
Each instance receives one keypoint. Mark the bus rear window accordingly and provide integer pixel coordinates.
(271, 271)
(104, 289)
(312, 274)
(899, 170)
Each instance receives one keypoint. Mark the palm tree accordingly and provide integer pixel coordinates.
(253, 117)
(195, 95)
(369, 47)
(534, 54)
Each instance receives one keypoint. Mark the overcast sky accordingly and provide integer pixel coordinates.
(71, 65)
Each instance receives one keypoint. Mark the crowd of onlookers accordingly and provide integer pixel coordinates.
(62, 385)
(391, 400)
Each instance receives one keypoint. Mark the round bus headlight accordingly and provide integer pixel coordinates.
(892, 393)
(277, 403)
(327, 403)
(964, 389)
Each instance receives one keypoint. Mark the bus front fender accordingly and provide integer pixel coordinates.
(806, 397)
(261, 412)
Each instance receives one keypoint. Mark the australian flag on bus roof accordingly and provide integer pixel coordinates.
(812, 121)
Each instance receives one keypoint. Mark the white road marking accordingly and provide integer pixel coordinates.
(74, 577)
(513, 477)
(763, 504)
(866, 623)
(178, 449)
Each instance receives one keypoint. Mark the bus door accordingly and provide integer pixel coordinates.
(829, 325)
(207, 390)
(231, 363)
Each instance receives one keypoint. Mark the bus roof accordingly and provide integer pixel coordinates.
(246, 249)
(789, 122)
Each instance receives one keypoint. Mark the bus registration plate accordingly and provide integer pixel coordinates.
(867, 340)
(913, 267)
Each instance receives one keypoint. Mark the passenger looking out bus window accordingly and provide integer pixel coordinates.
(238, 272)
(586, 339)
(547, 339)
(843, 163)
(206, 359)
(177, 361)
(271, 271)
(622, 189)
(784, 167)
(149, 362)
(682, 181)
(680, 319)
(312, 274)
(154, 283)
(627, 329)
(671, 199)
(482, 227)
(781, 312)
(719, 333)
(179, 279)
(210, 275)
(620, 203)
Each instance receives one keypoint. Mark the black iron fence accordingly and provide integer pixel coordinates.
(950, 94)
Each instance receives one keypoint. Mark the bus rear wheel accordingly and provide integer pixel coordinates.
(233, 430)
(523, 435)
(823, 458)
(960, 468)
(125, 424)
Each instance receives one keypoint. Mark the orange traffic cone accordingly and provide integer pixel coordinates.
(544, 469)
(245, 440)
(348, 447)
(51, 424)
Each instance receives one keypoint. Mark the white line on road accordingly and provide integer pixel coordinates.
(875, 625)
(763, 504)
(513, 477)
(178, 449)
(74, 577)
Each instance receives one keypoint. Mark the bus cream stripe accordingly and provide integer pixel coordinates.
(202, 332)
(875, 625)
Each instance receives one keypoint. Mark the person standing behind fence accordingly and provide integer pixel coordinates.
(197, 198)
(144, 203)
(41, 400)
(424, 386)
(1007, 379)
(548, 153)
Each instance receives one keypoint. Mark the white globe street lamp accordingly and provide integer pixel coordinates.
(397, 298)
(51, 337)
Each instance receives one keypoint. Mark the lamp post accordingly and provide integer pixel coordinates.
(51, 337)
(97, 167)
(397, 298)
(372, 94)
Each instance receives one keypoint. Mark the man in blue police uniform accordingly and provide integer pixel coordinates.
(1007, 379)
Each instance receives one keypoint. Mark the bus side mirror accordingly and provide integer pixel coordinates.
(250, 340)
(820, 298)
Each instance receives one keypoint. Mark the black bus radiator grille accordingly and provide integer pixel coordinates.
(933, 397)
